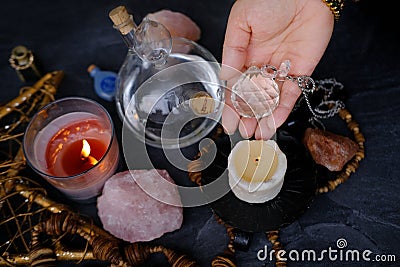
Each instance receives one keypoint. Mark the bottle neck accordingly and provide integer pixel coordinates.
(127, 30)
(130, 39)
(151, 41)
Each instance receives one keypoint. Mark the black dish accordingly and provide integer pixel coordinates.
(294, 198)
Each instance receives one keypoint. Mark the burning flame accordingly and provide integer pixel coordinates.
(85, 153)
(85, 149)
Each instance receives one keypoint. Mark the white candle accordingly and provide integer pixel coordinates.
(256, 170)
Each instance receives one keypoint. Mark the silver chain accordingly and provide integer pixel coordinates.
(327, 107)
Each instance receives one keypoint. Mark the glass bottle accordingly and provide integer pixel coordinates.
(168, 89)
(104, 82)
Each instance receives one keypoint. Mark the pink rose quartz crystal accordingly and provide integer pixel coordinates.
(178, 24)
(129, 213)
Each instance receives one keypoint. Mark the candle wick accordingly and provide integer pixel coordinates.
(90, 159)
(85, 153)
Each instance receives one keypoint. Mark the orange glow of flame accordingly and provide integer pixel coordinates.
(85, 153)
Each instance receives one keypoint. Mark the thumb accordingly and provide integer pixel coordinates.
(237, 38)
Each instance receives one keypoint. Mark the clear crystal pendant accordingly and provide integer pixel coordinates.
(256, 93)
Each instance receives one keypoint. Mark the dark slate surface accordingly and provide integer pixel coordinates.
(363, 55)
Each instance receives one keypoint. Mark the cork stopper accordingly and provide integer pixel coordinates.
(91, 68)
(202, 103)
(122, 19)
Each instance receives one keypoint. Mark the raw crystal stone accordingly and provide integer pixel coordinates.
(178, 24)
(255, 94)
(328, 149)
(129, 213)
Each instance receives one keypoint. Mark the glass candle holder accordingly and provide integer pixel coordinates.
(71, 143)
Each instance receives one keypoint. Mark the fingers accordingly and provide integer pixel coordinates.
(230, 119)
(237, 38)
(247, 127)
(267, 126)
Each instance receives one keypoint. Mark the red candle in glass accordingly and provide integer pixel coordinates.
(72, 144)
(66, 152)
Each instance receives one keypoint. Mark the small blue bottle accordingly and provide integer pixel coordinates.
(104, 82)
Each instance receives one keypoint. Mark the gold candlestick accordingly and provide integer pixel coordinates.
(23, 61)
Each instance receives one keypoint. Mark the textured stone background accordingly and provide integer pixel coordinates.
(363, 55)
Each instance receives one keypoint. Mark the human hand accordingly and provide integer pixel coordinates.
(268, 32)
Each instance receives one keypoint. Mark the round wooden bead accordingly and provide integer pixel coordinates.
(359, 137)
(360, 154)
(351, 125)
